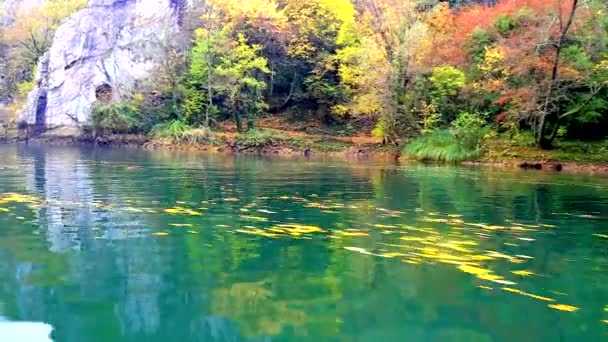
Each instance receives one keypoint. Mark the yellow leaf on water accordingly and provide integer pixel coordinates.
(384, 226)
(490, 277)
(193, 232)
(182, 211)
(4, 210)
(605, 321)
(563, 307)
(391, 255)
(231, 199)
(254, 218)
(523, 273)
(503, 282)
(160, 234)
(259, 232)
(601, 235)
(352, 233)
(528, 294)
(358, 250)
(180, 225)
(484, 287)
(411, 261)
(474, 270)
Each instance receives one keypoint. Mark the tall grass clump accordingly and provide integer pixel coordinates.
(459, 143)
(179, 132)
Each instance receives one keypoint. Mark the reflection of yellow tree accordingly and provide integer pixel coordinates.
(255, 309)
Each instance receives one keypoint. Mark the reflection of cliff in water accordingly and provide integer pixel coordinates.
(64, 181)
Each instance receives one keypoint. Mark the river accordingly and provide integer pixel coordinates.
(127, 245)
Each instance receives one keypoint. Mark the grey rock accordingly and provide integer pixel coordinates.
(110, 42)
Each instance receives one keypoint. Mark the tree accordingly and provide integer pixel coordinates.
(557, 41)
(239, 71)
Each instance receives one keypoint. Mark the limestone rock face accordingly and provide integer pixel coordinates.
(110, 44)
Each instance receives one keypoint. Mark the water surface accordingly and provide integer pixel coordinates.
(119, 245)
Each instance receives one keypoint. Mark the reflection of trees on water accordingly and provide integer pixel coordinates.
(220, 286)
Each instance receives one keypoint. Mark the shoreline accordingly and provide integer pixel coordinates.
(353, 152)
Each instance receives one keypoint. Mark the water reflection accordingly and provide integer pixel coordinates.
(84, 253)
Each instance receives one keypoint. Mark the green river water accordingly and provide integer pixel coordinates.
(120, 245)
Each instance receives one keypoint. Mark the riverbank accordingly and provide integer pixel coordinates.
(569, 157)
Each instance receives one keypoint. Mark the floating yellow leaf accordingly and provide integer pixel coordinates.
(605, 321)
(601, 235)
(180, 225)
(391, 255)
(231, 199)
(528, 294)
(193, 232)
(300, 228)
(4, 210)
(474, 270)
(182, 211)
(411, 261)
(160, 234)
(384, 226)
(259, 232)
(503, 282)
(563, 307)
(254, 218)
(358, 250)
(352, 233)
(485, 287)
(523, 273)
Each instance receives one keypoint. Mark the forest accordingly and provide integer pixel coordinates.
(438, 80)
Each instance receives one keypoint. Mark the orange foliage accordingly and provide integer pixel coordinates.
(459, 25)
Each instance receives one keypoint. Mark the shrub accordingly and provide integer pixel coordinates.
(174, 130)
(505, 24)
(447, 81)
(469, 130)
(115, 118)
(476, 45)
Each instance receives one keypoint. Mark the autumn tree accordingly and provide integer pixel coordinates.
(31, 33)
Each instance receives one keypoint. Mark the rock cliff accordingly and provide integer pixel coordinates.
(111, 44)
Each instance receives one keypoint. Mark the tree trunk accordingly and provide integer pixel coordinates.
(542, 140)
(209, 90)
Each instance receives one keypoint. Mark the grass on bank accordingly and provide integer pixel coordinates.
(439, 146)
(179, 133)
(521, 147)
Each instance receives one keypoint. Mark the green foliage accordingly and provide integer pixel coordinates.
(256, 138)
(175, 129)
(469, 130)
(431, 119)
(461, 142)
(476, 46)
(447, 81)
(23, 88)
(179, 132)
(505, 24)
(115, 118)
